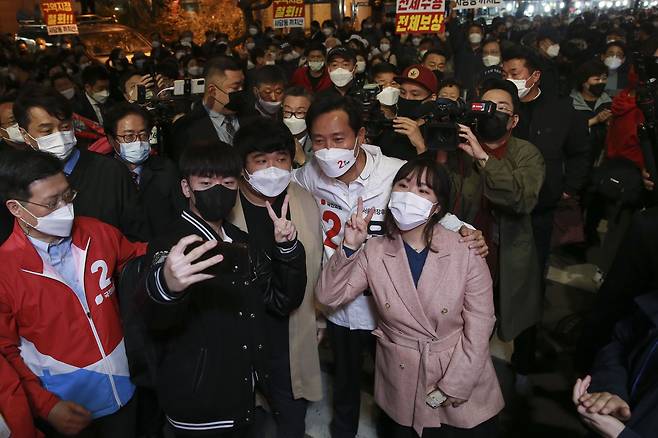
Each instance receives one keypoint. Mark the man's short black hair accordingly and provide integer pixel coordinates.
(117, 112)
(262, 134)
(383, 67)
(209, 159)
(504, 85)
(269, 74)
(336, 103)
(435, 52)
(20, 168)
(451, 83)
(528, 56)
(619, 44)
(94, 73)
(58, 76)
(315, 46)
(219, 65)
(593, 67)
(39, 96)
(298, 91)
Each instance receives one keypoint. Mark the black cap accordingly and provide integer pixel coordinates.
(341, 52)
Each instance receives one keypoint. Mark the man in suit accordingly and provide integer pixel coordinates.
(128, 128)
(90, 102)
(216, 116)
(105, 189)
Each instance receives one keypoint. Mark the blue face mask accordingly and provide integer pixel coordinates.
(135, 152)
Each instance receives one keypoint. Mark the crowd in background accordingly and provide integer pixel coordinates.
(171, 261)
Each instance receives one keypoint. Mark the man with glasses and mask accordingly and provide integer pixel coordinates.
(105, 188)
(217, 116)
(268, 91)
(59, 323)
(497, 180)
(296, 102)
(343, 170)
(561, 135)
(128, 130)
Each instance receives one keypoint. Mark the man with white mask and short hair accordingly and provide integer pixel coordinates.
(341, 65)
(105, 188)
(343, 170)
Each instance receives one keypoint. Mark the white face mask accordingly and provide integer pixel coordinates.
(520, 86)
(388, 96)
(490, 60)
(475, 38)
(269, 107)
(553, 50)
(422, 53)
(68, 93)
(14, 134)
(613, 62)
(270, 62)
(269, 182)
(409, 209)
(135, 152)
(295, 125)
(384, 47)
(58, 223)
(416, 41)
(60, 144)
(360, 66)
(341, 77)
(250, 46)
(101, 96)
(335, 162)
(315, 65)
(253, 31)
(195, 70)
(155, 44)
(327, 31)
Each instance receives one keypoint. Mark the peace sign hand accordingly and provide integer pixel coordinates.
(356, 229)
(284, 230)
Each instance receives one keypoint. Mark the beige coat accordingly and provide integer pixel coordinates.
(304, 360)
(434, 336)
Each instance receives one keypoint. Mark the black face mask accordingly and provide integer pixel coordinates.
(493, 128)
(597, 89)
(215, 203)
(408, 108)
(236, 99)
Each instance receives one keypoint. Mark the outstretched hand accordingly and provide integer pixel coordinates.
(284, 229)
(180, 270)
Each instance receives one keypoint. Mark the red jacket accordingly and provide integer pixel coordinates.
(622, 140)
(60, 346)
(301, 79)
(14, 406)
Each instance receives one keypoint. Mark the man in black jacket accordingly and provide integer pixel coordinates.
(212, 337)
(105, 189)
(217, 115)
(620, 399)
(91, 101)
(553, 126)
(128, 129)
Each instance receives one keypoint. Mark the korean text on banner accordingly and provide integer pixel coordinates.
(474, 4)
(288, 13)
(58, 17)
(420, 16)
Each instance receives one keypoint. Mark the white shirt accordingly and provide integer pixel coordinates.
(337, 201)
(96, 107)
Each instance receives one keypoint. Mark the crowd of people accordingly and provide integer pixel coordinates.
(172, 263)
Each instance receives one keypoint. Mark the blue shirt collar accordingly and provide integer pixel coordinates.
(72, 161)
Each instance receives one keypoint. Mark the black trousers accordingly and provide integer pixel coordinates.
(123, 423)
(525, 343)
(348, 348)
(488, 429)
(289, 414)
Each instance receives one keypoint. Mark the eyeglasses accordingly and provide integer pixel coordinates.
(129, 138)
(297, 114)
(65, 198)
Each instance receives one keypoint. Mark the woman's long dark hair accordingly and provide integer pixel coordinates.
(437, 179)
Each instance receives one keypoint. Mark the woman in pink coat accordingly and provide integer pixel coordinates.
(434, 376)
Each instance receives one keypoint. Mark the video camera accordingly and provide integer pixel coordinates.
(442, 116)
(371, 110)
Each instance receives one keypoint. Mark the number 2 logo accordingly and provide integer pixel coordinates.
(331, 217)
(104, 281)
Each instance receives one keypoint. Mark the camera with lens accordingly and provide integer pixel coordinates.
(442, 117)
(374, 119)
